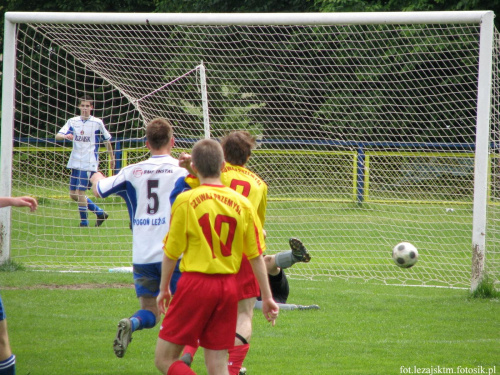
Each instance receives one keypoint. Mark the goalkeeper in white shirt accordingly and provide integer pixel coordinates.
(86, 133)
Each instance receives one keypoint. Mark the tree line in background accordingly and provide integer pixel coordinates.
(232, 6)
(326, 108)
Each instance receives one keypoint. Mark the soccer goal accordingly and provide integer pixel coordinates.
(373, 128)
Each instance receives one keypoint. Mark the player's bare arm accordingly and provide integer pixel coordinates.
(269, 308)
(61, 137)
(164, 296)
(109, 148)
(25, 201)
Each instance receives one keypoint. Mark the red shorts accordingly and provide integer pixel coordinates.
(204, 308)
(248, 286)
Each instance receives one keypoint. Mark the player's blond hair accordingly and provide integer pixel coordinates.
(207, 157)
(159, 132)
(238, 146)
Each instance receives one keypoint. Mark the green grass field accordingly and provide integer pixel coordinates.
(64, 323)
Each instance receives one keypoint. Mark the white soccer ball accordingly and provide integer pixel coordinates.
(405, 255)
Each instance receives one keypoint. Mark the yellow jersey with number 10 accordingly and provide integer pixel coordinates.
(213, 226)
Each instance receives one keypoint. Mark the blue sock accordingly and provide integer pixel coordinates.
(93, 207)
(143, 319)
(83, 214)
(8, 367)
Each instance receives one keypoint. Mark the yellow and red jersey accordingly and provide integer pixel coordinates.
(213, 226)
(245, 182)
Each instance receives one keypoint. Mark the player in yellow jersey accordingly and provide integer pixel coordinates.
(237, 147)
(212, 226)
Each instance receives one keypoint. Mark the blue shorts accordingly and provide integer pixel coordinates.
(80, 180)
(2, 312)
(147, 279)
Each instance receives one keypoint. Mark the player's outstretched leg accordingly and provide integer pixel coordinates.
(123, 337)
(288, 258)
(299, 251)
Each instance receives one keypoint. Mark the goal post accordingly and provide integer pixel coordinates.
(6, 136)
(373, 129)
(482, 142)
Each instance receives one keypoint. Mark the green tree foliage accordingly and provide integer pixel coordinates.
(404, 5)
(253, 99)
(73, 6)
(234, 6)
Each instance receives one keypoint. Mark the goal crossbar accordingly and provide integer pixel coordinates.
(392, 89)
(348, 18)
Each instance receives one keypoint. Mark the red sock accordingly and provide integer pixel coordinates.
(190, 349)
(237, 355)
(180, 368)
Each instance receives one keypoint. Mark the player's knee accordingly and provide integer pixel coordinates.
(245, 308)
(163, 363)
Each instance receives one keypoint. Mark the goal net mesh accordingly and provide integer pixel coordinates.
(366, 136)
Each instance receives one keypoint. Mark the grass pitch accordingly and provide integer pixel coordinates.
(61, 323)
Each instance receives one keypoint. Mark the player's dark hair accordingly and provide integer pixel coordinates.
(207, 157)
(238, 146)
(158, 133)
(86, 98)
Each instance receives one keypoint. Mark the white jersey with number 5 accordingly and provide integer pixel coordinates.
(146, 188)
(87, 135)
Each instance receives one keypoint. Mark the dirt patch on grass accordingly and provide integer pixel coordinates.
(70, 286)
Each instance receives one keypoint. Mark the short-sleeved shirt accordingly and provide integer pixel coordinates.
(87, 135)
(245, 182)
(146, 187)
(213, 226)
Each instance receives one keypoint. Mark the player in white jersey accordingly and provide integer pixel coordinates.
(86, 133)
(146, 187)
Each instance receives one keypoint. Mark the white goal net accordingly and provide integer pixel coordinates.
(373, 129)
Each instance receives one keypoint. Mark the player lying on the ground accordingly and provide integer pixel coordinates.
(276, 264)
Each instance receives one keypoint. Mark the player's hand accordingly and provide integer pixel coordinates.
(270, 309)
(185, 160)
(25, 202)
(163, 300)
(69, 137)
